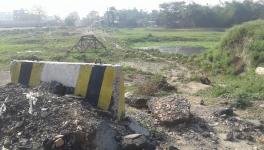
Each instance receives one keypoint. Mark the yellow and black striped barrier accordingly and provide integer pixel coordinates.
(102, 85)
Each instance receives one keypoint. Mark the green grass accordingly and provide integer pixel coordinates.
(232, 65)
(240, 89)
(240, 49)
(48, 44)
(53, 43)
(145, 37)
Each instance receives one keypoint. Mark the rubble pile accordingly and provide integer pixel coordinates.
(37, 119)
(170, 109)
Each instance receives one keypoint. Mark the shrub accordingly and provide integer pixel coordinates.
(242, 103)
(154, 85)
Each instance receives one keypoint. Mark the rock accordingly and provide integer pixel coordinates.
(66, 141)
(172, 147)
(44, 112)
(57, 88)
(205, 80)
(260, 71)
(128, 94)
(105, 137)
(4, 148)
(255, 123)
(224, 102)
(261, 106)
(202, 102)
(36, 146)
(136, 142)
(7, 142)
(19, 124)
(59, 142)
(138, 101)
(230, 136)
(171, 109)
(132, 136)
(261, 139)
(135, 127)
(226, 112)
(23, 141)
(58, 136)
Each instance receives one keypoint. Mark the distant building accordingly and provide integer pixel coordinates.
(26, 18)
(6, 16)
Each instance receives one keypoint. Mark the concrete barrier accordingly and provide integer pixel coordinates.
(102, 85)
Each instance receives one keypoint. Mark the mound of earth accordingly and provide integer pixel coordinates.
(37, 119)
(243, 45)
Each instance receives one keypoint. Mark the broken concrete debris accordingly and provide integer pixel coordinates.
(136, 142)
(138, 101)
(57, 88)
(105, 137)
(136, 128)
(226, 112)
(171, 109)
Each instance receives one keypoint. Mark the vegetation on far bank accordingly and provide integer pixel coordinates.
(233, 65)
(240, 49)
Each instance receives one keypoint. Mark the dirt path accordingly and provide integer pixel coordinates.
(4, 77)
(206, 131)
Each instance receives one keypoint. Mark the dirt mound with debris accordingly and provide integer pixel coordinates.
(37, 119)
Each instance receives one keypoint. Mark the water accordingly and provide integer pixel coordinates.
(184, 50)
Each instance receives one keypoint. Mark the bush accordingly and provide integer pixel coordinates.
(242, 103)
(154, 85)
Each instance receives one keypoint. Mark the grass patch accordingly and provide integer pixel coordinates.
(241, 48)
(145, 37)
(240, 89)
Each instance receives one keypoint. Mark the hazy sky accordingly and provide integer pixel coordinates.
(63, 7)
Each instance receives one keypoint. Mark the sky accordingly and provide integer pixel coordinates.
(64, 7)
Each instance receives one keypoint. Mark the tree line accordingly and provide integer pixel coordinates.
(181, 14)
(171, 15)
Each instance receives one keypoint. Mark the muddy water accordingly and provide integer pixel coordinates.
(184, 50)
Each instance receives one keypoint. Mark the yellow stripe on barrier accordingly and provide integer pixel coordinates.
(121, 98)
(83, 80)
(35, 74)
(15, 72)
(106, 89)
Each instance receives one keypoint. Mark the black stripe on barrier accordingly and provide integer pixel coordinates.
(95, 83)
(25, 72)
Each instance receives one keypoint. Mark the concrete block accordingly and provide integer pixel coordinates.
(102, 85)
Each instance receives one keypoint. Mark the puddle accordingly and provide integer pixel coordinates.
(29, 52)
(184, 50)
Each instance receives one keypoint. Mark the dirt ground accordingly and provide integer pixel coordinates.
(205, 131)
